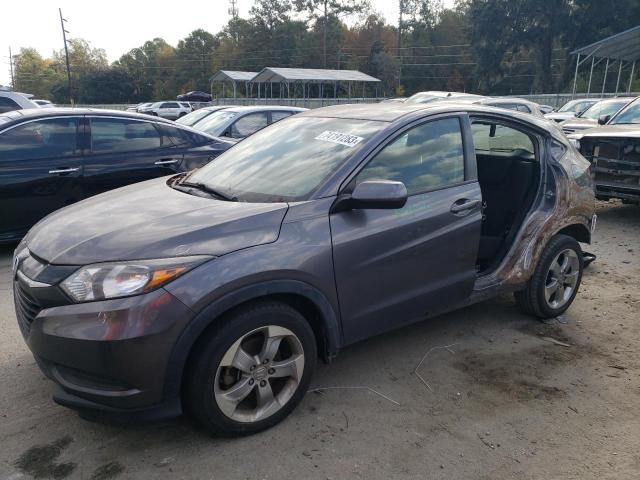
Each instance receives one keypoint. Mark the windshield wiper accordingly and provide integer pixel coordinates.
(208, 189)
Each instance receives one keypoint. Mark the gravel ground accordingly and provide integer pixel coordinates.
(504, 401)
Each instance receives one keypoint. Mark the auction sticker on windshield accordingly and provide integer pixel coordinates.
(341, 138)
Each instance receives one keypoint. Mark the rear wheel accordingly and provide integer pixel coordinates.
(253, 371)
(556, 280)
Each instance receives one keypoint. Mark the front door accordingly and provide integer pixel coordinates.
(393, 267)
(124, 151)
(40, 172)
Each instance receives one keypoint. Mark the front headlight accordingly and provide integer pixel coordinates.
(121, 279)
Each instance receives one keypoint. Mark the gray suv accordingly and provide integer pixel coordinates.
(216, 291)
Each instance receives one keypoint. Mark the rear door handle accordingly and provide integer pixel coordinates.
(464, 206)
(63, 170)
(166, 162)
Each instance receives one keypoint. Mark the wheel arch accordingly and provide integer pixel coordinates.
(577, 231)
(306, 299)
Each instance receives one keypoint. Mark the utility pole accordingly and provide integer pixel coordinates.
(66, 54)
(401, 7)
(13, 80)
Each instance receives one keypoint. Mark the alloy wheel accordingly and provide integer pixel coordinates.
(562, 278)
(259, 374)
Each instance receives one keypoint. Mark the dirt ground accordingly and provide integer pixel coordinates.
(505, 400)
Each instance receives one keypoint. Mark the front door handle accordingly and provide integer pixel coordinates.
(166, 162)
(464, 206)
(63, 170)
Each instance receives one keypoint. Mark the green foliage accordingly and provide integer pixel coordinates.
(484, 46)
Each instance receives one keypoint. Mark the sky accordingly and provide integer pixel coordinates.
(116, 25)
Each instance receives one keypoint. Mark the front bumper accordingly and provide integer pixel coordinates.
(110, 355)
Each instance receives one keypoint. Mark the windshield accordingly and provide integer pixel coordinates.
(629, 114)
(192, 118)
(576, 106)
(602, 109)
(287, 160)
(215, 123)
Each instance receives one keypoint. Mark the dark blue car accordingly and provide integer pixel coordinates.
(50, 158)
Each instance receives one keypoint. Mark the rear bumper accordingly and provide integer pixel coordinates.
(111, 356)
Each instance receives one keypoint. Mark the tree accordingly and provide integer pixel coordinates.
(194, 57)
(270, 14)
(321, 11)
(84, 60)
(105, 86)
(35, 74)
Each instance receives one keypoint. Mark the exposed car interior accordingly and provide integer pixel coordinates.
(508, 173)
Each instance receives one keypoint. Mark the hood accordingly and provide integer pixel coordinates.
(579, 123)
(622, 131)
(152, 220)
(560, 116)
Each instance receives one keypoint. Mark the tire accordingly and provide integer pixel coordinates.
(539, 298)
(216, 389)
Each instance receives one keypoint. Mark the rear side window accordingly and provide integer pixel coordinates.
(8, 105)
(491, 137)
(53, 138)
(248, 124)
(276, 116)
(179, 136)
(109, 135)
(426, 157)
(169, 105)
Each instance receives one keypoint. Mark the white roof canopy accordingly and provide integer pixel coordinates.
(232, 76)
(277, 75)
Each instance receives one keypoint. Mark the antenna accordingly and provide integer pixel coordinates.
(233, 9)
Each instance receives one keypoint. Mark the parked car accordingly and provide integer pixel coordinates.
(509, 103)
(44, 103)
(50, 158)
(215, 291)
(614, 152)
(435, 95)
(236, 123)
(170, 110)
(190, 119)
(571, 109)
(545, 108)
(200, 97)
(10, 101)
(598, 114)
(134, 108)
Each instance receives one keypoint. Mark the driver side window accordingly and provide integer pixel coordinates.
(427, 157)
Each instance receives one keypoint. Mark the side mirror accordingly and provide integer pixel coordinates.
(603, 119)
(374, 194)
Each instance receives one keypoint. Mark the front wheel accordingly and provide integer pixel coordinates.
(556, 280)
(252, 372)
